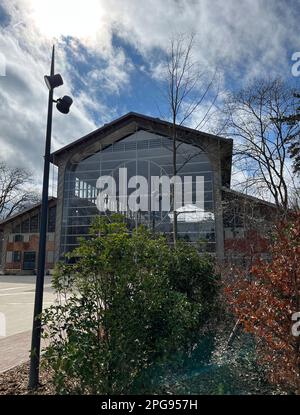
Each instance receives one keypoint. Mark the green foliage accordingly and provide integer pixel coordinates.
(130, 308)
(193, 275)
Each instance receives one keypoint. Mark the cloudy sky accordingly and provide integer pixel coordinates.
(110, 51)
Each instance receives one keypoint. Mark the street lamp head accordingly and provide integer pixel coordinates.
(53, 81)
(63, 104)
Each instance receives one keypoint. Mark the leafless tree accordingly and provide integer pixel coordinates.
(294, 140)
(189, 91)
(15, 192)
(261, 137)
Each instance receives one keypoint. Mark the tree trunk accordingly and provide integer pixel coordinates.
(173, 195)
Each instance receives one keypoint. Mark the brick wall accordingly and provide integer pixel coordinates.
(32, 245)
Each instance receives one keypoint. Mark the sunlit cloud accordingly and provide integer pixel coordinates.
(55, 18)
(110, 55)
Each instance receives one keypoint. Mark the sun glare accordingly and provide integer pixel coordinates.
(76, 18)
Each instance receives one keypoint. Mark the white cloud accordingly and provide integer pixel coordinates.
(115, 75)
(252, 35)
(23, 105)
(23, 96)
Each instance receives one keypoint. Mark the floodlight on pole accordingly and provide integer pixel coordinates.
(53, 81)
(63, 105)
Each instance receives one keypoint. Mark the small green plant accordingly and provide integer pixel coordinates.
(130, 308)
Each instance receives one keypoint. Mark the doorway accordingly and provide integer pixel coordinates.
(29, 259)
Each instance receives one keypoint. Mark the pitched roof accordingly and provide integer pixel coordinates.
(28, 210)
(249, 197)
(140, 118)
(133, 122)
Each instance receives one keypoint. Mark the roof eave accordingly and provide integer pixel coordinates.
(24, 212)
(131, 116)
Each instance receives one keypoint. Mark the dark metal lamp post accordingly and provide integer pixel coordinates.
(63, 105)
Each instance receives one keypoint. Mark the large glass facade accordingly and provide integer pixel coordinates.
(147, 155)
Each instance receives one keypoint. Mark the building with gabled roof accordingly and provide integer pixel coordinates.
(136, 139)
(19, 236)
(142, 145)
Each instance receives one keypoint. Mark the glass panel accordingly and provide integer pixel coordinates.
(17, 228)
(51, 219)
(146, 155)
(17, 256)
(25, 226)
(34, 224)
(18, 238)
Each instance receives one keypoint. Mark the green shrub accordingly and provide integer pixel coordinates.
(130, 308)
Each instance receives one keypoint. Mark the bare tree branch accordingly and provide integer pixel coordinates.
(15, 192)
(187, 88)
(254, 121)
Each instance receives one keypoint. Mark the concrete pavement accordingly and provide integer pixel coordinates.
(16, 314)
(14, 350)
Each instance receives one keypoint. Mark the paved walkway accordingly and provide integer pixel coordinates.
(14, 350)
(17, 302)
(16, 312)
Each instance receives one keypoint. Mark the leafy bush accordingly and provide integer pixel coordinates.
(130, 307)
(194, 275)
(265, 303)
